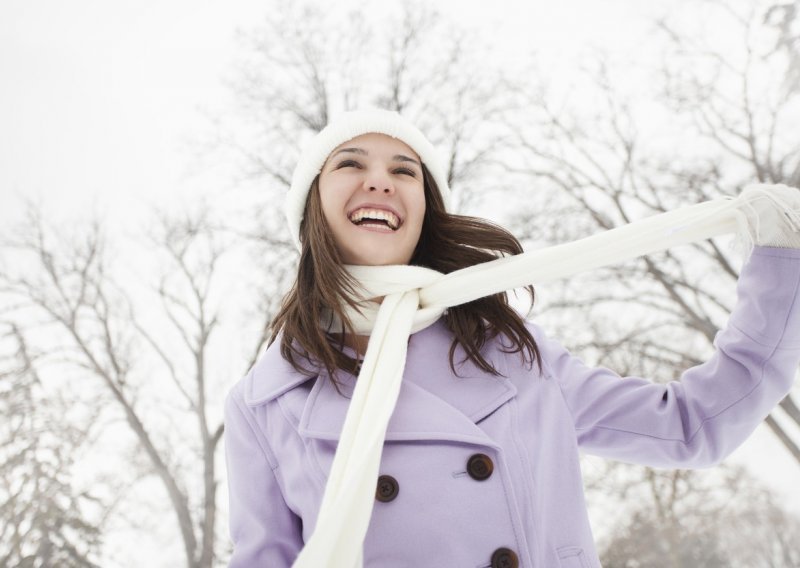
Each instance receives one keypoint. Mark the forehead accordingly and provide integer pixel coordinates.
(378, 143)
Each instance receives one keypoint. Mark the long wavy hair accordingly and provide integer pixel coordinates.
(447, 243)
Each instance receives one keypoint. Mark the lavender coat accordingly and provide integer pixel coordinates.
(282, 430)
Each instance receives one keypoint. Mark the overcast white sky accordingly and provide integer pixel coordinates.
(98, 97)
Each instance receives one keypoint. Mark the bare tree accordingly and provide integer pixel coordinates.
(700, 518)
(71, 285)
(304, 64)
(44, 519)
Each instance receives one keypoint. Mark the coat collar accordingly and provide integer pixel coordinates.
(433, 403)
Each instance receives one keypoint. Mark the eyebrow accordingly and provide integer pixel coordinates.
(396, 157)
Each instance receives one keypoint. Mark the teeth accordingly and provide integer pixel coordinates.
(390, 218)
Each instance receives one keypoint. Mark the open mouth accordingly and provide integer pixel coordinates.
(374, 219)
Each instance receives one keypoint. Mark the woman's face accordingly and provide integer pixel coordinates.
(373, 199)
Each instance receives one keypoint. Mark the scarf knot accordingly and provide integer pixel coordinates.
(395, 280)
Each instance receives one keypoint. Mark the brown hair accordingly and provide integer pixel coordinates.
(447, 243)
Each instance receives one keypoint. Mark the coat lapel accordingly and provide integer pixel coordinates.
(433, 403)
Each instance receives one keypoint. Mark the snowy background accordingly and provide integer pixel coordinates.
(145, 148)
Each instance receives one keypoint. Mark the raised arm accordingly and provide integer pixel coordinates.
(699, 419)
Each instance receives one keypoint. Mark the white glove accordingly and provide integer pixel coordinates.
(774, 219)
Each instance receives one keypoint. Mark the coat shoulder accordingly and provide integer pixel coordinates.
(269, 377)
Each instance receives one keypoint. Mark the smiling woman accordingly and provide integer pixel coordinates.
(407, 460)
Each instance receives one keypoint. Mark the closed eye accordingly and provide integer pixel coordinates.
(346, 163)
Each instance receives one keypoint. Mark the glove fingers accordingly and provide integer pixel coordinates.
(774, 214)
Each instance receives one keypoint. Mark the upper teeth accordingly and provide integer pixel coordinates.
(387, 216)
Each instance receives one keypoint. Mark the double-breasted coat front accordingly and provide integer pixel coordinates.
(483, 471)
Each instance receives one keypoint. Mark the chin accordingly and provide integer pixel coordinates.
(377, 259)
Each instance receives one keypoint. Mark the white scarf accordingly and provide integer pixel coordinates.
(416, 297)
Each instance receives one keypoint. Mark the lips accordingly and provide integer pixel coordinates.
(380, 213)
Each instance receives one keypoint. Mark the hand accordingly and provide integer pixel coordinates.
(774, 214)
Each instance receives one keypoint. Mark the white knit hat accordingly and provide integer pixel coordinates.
(342, 128)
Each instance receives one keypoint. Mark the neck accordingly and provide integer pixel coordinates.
(358, 342)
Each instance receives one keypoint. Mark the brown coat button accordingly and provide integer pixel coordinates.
(505, 558)
(480, 467)
(388, 488)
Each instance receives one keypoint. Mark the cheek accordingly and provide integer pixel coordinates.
(330, 206)
(419, 211)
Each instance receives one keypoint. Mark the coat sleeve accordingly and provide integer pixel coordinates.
(699, 419)
(265, 532)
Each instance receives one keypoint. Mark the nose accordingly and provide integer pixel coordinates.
(377, 181)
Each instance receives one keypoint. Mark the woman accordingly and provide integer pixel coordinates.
(478, 464)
